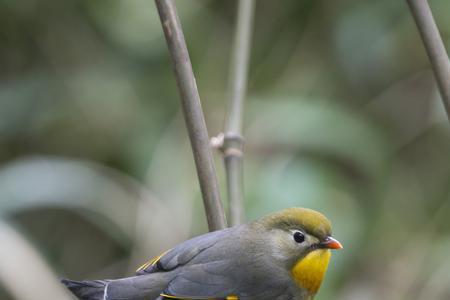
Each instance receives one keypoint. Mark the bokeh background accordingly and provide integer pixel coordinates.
(343, 116)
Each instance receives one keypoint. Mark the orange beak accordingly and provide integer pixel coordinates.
(331, 243)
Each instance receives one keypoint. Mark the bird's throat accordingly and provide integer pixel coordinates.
(309, 271)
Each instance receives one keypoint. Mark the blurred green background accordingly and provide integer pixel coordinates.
(343, 116)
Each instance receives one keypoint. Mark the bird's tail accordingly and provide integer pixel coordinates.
(87, 290)
(135, 288)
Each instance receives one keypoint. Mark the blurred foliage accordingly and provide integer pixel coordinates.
(343, 116)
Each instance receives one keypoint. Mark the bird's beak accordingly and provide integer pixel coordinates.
(331, 243)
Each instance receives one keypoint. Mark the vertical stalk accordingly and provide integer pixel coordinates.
(233, 140)
(434, 46)
(193, 115)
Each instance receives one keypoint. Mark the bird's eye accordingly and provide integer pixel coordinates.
(299, 237)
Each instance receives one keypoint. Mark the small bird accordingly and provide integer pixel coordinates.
(282, 256)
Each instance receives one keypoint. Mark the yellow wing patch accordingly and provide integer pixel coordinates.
(169, 296)
(151, 262)
(310, 270)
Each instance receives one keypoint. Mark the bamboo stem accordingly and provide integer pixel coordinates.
(434, 46)
(233, 140)
(193, 115)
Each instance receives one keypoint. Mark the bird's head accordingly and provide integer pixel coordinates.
(301, 241)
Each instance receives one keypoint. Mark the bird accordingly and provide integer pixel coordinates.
(281, 256)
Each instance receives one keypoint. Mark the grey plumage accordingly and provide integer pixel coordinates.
(131, 288)
(242, 261)
(94, 289)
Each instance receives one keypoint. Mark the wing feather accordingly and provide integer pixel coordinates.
(181, 254)
(214, 267)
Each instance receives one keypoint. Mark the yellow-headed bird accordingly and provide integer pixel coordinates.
(282, 256)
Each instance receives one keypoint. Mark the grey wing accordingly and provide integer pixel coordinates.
(202, 281)
(212, 266)
(183, 253)
(225, 279)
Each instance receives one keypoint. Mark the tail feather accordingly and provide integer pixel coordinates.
(87, 290)
(144, 287)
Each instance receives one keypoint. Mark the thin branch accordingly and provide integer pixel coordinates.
(193, 115)
(233, 140)
(435, 47)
